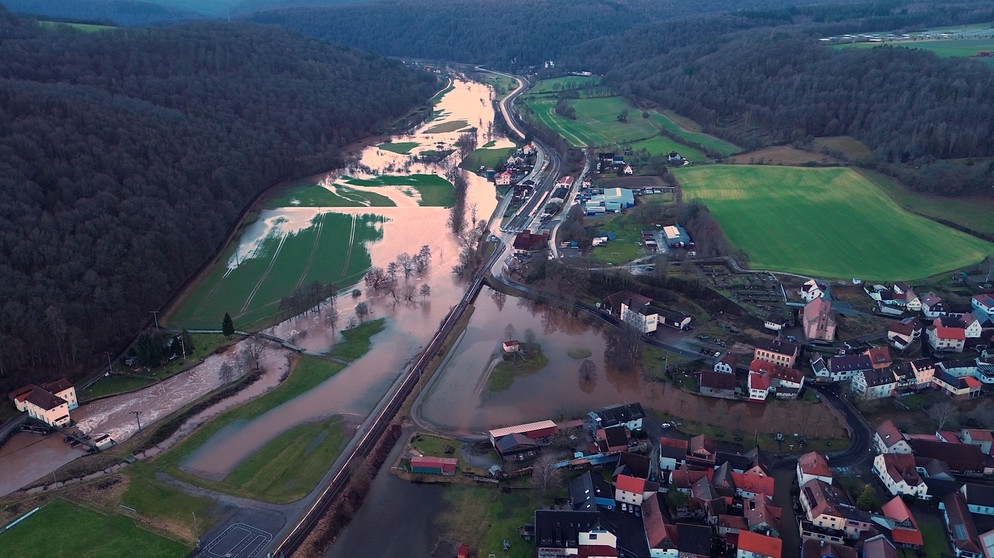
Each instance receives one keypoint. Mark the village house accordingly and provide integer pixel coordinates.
(901, 334)
(629, 415)
(879, 357)
(811, 290)
(897, 472)
(879, 547)
(761, 515)
(727, 364)
(957, 387)
(982, 304)
(828, 507)
(766, 377)
(693, 541)
(754, 545)
(932, 305)
(840, 368)
(672, 454)
(960, 458)
(590, 492)
(815, 548)
(888, 439)
(701, 451)
(874, 384)
(813, 465)
(776, 351)
(517, 443)
(528, 241)
(718, 384)
(903, 528)
(48, 403)
(817, 320)
(660, 535)
(557, 532)
(633, 490)
(981, 438)
(775, 322)
(503, 178)
(960, 527)
(749, 485)
(979, 498)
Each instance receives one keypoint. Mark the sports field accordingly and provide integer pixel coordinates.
(61, 528)
(274, 256)
(830, 223)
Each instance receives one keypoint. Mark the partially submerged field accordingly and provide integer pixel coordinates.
(825, 222)
(267, 264)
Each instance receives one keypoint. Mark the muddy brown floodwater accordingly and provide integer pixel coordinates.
(409, 324)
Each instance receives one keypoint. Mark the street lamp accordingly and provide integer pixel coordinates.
(137, 418)
(155, 316)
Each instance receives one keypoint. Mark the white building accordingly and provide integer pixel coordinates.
(897, 472)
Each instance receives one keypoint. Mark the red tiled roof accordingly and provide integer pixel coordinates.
(813, 463)
(760, 544)
(630, 484)
(943, 332)
(753, 483)
(61, 384)
(980, 435)
(898, 511)
(971, 382)
(673, 443)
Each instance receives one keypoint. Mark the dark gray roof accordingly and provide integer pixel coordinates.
(849, 363)
(616, 435)
(586, 488)
(979, 494)
(695, 539)
(777, 345)
(617, 414)
(561, 529)
(878, 377)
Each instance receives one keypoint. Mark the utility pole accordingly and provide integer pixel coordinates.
(137, 418)
(155, 316)
(110, 365)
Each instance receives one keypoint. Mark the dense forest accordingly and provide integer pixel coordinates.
(512, 34)
(127, 155)
(757, 81)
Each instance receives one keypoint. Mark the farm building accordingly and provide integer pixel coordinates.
(530, 242)
(434, 465)
(540, 431)
(676, 236)
(559, 195)
(515, 447)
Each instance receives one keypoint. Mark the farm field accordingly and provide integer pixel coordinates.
(315, 195)
(446, 127)
(676, 126)
(486, 157)
(850, 147)
(84, 27)
(62, 528)
(830, 223)
(400, 147)
(596, 121)
(972, 213)
(944, 48)
(659, 145)
(782, 155)
(555, 85)
(251, 289)
(435, 191)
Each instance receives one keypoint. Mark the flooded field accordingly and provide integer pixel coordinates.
(355, 390)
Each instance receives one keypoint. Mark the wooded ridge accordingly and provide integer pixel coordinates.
(126, 156)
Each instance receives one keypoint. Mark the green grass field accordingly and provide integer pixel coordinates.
(287, 468)
(625, 247)
(486, 157)
(446, 127)
(850, 147)
(693, 136)
(84, 27)
(400, 147)
(597, 125)
(435, 191)
(825, 222)
(973, 213)
(150, 497)
(951, 48)
(252, 291)
(660, 145)
(555, 85)
(249, 478)
(63, 529)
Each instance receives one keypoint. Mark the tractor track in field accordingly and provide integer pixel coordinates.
(348, 254)
(314, 249)
(258, 285)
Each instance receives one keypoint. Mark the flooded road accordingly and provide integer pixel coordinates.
(26, 457)
(354, 391)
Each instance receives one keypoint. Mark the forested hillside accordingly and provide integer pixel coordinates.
(511, 34)
(126, 156)
(113, 12)
(757, 80)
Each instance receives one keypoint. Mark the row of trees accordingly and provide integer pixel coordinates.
(129, 154)
(387, 280)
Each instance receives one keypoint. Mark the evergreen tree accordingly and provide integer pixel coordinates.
(227, 326)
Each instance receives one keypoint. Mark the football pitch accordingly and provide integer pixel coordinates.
(830, 223)
(61, 528)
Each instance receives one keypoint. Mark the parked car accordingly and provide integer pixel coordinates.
(665, 425)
